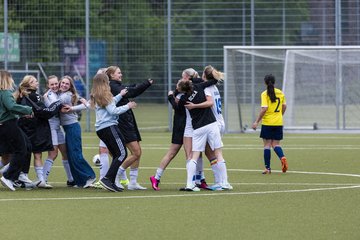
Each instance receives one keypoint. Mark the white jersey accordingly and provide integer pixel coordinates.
(213, 91)
(49, 98)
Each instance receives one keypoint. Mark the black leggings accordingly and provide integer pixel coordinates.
(114, 141)
(13, 141)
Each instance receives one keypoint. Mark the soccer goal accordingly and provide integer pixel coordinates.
(321, 85)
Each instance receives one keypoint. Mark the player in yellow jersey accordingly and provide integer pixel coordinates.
(273, 106)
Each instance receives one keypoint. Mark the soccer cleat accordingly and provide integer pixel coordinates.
(23, 177)
(7, 183)
(202, 185)
(284, 165)
(154, 183)
(193, 188)
(227, 186)
(70, 184)
(89, 182)
(215, 187)
(97, 185)
(136, 186)
(107, 184)
(267, 171)
(43, 184)
(124, 182)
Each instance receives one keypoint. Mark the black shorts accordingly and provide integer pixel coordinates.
(177, 137)
(271, 132)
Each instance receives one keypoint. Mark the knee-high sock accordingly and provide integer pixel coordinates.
(47, 168)
(134, 172)
(67, 170)
(279, 152)
(191, 170)
(120, 173)
(104, 161)
(223, 171)
(267, 157)
(199, 170)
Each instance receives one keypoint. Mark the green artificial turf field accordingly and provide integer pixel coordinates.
(318, 198)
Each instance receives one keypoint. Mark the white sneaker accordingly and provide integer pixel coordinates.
(23, 177)
(136, 187)
(43, 184)
(89, 182)
(7, 183)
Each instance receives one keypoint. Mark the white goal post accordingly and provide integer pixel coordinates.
(321, 85)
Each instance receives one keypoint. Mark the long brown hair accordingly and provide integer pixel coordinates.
(72, 89)
(100, 92)
(270, 82)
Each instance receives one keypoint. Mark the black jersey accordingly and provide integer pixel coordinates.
(200, 116)
(127, 122)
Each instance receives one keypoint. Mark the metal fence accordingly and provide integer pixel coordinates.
(157, 38)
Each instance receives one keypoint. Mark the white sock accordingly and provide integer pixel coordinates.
(223, 172)
(104, 167)
(4, 169)
(67, 170)
(191, 170)
(133, 175)
(123, 175)
(47, 168)
(159, 173)
(39, 173)
(119, 173)
(216, 171)
(199, 170)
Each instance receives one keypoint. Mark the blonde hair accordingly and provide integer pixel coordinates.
(191, 73)
(100, 93)
(24, 87)
(6, 81)
(72, 89)
(211, 73)
(111, 70)
(101, 70)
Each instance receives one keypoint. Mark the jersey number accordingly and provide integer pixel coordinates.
(278, 105)
(218, 105)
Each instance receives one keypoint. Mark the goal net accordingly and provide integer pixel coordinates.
(321, 85)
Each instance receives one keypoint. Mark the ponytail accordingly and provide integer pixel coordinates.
(270, 82)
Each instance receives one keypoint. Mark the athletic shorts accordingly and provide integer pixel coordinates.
(57, 136)
(271, 132)
(208, 134)
(188, 130)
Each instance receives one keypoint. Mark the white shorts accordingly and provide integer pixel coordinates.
(102, 144)
(188, 132)
(57, 136)
(208, 134)
(221, 127)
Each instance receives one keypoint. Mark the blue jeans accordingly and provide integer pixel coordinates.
(79, 167)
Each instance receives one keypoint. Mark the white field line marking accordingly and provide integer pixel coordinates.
(340, 186)
(252, 170)
(180, 195)
(146, 147)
